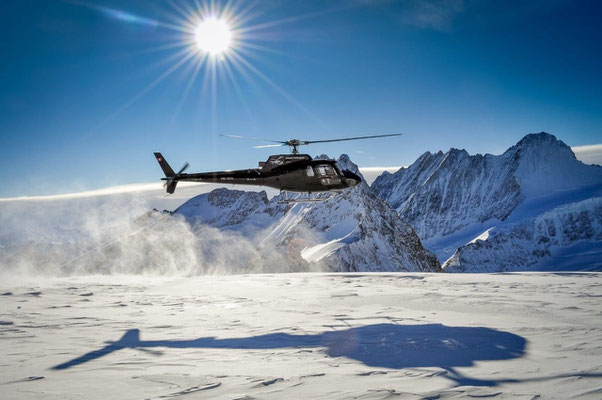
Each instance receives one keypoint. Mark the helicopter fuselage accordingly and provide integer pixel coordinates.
(286, 172)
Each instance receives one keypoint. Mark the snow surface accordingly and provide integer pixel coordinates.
(323, 336)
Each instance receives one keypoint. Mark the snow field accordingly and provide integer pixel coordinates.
(331, 336)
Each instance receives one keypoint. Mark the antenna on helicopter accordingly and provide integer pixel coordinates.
(295, 143)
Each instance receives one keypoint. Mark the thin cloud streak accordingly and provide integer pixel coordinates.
(370, 173)
(433, 14)
(589, 154)
(121, 189)
(437, 15)
(118, 15)
(126, 17)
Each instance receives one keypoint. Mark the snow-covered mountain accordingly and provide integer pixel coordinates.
(355, 231)
(244, 211)
(452, 198)
(569, 237)
(442, 193)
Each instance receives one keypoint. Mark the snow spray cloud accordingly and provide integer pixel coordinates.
(119, 235)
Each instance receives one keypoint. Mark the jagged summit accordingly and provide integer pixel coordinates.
(543, 146)
(546, 164)
(540, 138)
(344, 162)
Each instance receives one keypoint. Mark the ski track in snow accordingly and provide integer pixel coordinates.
(331, 336)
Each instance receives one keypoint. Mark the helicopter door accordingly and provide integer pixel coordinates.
(327, 174)
(325, 170)
(309, 171)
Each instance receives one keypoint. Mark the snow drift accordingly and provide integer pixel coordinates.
(73, 238)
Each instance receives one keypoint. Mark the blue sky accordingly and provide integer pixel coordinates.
(89, 89)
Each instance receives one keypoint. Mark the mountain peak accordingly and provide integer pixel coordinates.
(443, 194)
(453, 150)
(536, 140)
(344, 162)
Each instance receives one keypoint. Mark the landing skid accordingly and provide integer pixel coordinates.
(307, 197)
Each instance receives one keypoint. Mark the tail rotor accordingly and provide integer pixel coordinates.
(171, 177)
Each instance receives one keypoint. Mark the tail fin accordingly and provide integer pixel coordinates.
(170, 175)
(130, 339)
(165, 166)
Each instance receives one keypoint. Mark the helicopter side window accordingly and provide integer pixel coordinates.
(324, 170)
(309, 171)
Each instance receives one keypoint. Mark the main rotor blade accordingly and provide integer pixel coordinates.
(269, 145)
(250, 138)
(351, 138)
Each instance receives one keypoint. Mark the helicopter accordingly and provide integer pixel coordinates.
(293, 172)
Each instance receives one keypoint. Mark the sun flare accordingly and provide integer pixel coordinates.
(215, 44)
(213, 36)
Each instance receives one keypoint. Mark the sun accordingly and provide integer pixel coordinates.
(213, 36)
(214, 43)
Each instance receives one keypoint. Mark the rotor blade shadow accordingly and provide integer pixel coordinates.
(128, 340)
(463, 380)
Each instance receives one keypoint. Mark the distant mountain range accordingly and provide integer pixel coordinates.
(533, 207)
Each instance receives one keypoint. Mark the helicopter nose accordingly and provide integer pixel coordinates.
(350, 178)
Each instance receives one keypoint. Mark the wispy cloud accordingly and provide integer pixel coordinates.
(126, 17)
(590, 154)
(121, 189)
(118, 15)
(436, 15)
(432, 14)
(371, 173)
(442, 15)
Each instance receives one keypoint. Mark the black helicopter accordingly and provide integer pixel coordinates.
(287, 172)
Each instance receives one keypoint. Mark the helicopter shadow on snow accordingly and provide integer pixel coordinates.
(380, 345)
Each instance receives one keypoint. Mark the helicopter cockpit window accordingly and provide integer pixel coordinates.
(309, 171)
(324, 170)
